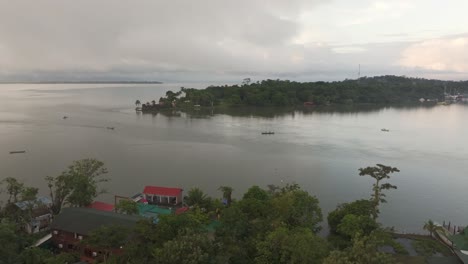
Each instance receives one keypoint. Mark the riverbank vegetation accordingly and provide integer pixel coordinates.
(283, 93)
(277, 224)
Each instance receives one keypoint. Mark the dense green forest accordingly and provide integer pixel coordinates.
(374, 90)
(276, 224)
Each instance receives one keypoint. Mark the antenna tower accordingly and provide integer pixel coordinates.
(359, 72)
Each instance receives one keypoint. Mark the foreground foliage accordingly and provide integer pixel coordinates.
(78, 185)
(279, 224)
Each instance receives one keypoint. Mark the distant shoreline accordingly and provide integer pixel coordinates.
(84, 82)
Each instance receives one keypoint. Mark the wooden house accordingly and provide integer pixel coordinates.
(39, 212)
(74, 224)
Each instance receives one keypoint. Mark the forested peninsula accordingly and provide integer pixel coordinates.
(281, 93)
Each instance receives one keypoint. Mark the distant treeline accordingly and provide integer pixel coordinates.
(374, 90)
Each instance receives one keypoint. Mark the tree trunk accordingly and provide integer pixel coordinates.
(376, 200)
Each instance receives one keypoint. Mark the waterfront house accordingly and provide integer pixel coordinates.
(73, 225)
(163, 195)
(39, 212)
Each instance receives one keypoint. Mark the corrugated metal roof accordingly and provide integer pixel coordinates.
(84, 220)
(165, 191)
(40, 201)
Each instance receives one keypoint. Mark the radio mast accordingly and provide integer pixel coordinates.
(359, 72)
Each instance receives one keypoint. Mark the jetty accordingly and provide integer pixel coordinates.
(456, 238)
(268, 133)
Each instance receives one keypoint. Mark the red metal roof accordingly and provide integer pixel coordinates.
(101, 206)
(165, 191)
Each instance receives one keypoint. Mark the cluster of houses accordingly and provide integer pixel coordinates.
(73, 224)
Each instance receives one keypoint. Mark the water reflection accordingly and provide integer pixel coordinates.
(320, 148)
(275, 112)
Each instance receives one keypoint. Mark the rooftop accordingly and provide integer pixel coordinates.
(101, 206)
(40, 201)
(84, 220)
(149, 210)
(164, 191)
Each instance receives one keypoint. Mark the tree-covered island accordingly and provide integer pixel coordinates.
(283, 93)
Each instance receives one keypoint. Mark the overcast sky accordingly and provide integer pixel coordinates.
(215, 40)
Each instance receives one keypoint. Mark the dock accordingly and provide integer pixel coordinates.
(455, 237)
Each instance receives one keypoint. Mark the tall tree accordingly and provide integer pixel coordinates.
(78, 185)
(227, 194)
(137, 103)
(379, 173)
(29, 193)
(13, 188)
(59, 187)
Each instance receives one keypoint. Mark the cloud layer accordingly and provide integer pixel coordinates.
(447, 54)
(212, 39)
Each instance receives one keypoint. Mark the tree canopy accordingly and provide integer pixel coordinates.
(78, 185)
(366, 90)
(127, 207)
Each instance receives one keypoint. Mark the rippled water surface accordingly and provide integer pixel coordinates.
(319, 149)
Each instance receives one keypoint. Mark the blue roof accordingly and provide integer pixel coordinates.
(41, 200)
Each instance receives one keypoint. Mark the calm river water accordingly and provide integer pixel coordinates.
(320, 150)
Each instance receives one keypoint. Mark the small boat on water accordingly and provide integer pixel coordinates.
(17, 151)
(268, 133)
(111, 128)
(385, 130)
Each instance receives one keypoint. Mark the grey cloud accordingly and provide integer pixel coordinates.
(167, 40)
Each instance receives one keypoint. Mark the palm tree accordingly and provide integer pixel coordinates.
(431, 227)
(196, 197)
(137, 103)
(227, 193)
